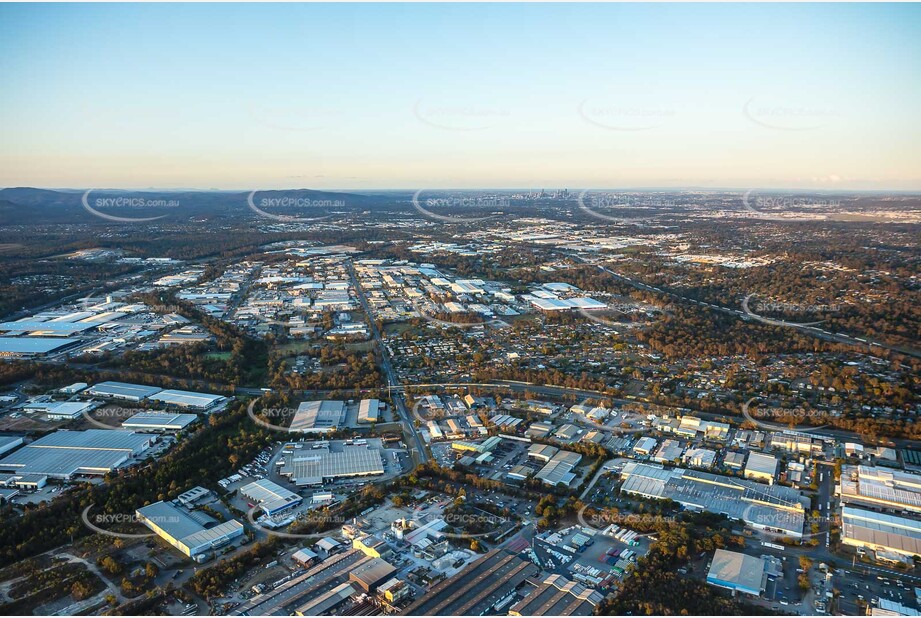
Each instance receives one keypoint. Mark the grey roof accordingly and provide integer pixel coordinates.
(773, 506)
(33, 345)
(270, 495)
(558, 596)
(65, 453)
(67, 328)
(311, 466)
(761, 464)
(122, 389)
(890, 531)
(186, 398)
(160, 420)
(185, 529)
(736, 570)
(318, 416)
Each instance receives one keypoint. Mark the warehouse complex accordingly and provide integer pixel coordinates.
(322, 587)
(65, 454)
(307, 464)
(772, 508)
(192, 532)
(124, 391)
(558, 596)
(478, 588)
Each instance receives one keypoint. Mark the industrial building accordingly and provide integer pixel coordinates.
(30, 347)
(191, 532)
(761, 467)
(370, 574)
(558, 470)
(880, 488)
(122, 391)
(311, 589)
(737, 572)
(314, 466)
(64, 454)
(8, 443)
(318, 416)
(558, 596)
(159, 421)
(880, 532)
(369, 411)
(189, 399)
(766, 507)
(271, 497)
(478, 588)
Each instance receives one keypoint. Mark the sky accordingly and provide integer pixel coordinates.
(425, 96)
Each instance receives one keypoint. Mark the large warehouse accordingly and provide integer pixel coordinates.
(880, 531)
(737, 572)
(318, 416)
(271, 497)
(122, 390)
(188, 531)
(159, 421)
(28, 347)
(188, 399)
(64, 454)
(313, 466)
(767, 507)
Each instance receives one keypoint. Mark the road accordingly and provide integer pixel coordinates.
(414, 440)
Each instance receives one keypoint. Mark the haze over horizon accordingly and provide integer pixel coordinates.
(386, 97)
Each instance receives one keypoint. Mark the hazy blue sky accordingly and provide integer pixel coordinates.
(427, 96)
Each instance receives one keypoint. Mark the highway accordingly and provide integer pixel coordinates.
(414, 441)
(746, 313)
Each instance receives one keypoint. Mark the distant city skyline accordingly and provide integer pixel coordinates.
(402, 97)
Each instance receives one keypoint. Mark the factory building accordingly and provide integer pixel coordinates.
(558, 596)
(201, 402)
(772, 508)
(318, 416)
(880, 532)
(122, 391)
(65, 454)
(191, 532)
(880, 488)
(314, 466)
(761, 467)
(737, 572)
(159, 421)
(476, 589)
(369, 411)
(271, 497)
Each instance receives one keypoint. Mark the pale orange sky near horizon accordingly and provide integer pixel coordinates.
(471, 96)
